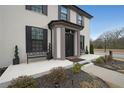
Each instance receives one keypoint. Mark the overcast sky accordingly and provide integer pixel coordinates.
(105, 18)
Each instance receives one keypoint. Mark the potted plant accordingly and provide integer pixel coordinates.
(86, 52)
(49, 53)
(16, 60)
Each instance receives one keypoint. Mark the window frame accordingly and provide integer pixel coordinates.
(79, 22)
(82, 46)
(31, 40)
(44, 9)
(66, 15)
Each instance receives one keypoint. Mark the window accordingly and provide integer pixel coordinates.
(36, 39)
(81, 42)
(64, 13)
(79, 20)
(37, 8)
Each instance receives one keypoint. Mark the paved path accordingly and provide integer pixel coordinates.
(37, 69)
(107, 75)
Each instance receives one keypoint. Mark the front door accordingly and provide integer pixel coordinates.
(69, 42)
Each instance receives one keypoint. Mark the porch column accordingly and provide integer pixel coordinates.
(78, 43)
(75, 43)
(62, 43)
(58, 43)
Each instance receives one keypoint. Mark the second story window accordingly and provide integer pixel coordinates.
(79, 20)
(37, 8)
(64, 13)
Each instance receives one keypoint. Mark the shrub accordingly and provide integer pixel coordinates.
(76, 68)
(100, 60)
(49, 53)
(23, 82)
(86, 52)
(57, 75)
(91, 84)
(16, 60)
(91, 49)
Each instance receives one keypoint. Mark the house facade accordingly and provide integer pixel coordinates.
(34, 27)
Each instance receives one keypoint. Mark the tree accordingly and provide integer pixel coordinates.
(110, 39)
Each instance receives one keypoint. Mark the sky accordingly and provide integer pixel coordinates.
(105, 18)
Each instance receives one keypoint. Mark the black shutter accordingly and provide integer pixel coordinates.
(28, 7)
(28, 39)
(45, 40)
(44, 10)
(83, 42)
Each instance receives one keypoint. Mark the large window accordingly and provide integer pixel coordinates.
(79, 20)
(37, 8)
(36, 39)
(64, 13)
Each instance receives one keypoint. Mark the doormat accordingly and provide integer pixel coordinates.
(74, 59)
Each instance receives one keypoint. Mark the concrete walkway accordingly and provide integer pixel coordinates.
(37, 69)
(34, 69)
(90, 57)
(107, 75)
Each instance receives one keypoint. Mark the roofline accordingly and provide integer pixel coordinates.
(82, 12)
(63, 22)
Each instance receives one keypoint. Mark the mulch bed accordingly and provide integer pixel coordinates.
(77, 79)
(114, 65)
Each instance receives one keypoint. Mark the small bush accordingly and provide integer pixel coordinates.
(100, 60)
(91, 84)
(76, 68)
(91, 49)
(86, 51)
(23, 82)
(57, 75)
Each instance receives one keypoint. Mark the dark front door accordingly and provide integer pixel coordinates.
(69, 42)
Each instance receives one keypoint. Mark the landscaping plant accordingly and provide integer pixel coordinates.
(57, 75)
(91, 49)
(23, 82)
(76, 68)
(16, 60)
(49, 53)
(86, 52)
(91, 84)
(100, 60)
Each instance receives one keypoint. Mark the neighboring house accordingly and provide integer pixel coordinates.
(33, 27)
